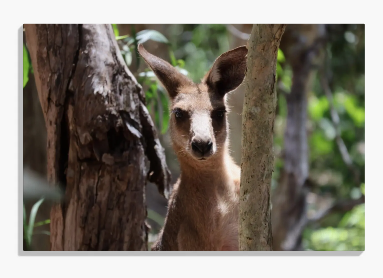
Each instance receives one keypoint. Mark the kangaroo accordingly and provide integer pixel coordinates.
(203, 207)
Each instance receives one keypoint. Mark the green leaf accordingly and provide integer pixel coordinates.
(26, 66)
(349, 103)
(128, 58)
(322, 145)
(281, 56)
(362, 189)
(151, 94)
(287, 78)
(25, 226)
(41, 223)
(155, 217)
(328, 128)
(149, 105)
(24, 216)
(32, 218)
(172, 58)
(354, 111)
(115, 30)
(147, 74)
(317, 107)
(338, 239)
(128, 40)
(279, 69)
(282, 104)
(121, 37)
(181, 63)
(156, 117)
(345, 219)
(354, 218)
(153, 35)
(43, 233)
(183, 71)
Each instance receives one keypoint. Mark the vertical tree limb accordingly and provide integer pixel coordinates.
(301, 45)
(257, 137)
(336, 122)
(99, 138)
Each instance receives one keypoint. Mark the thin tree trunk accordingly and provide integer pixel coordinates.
(257, 138)
(99, 138)
(301, 45)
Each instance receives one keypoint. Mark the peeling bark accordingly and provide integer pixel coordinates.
(100, 140)
(257, 138)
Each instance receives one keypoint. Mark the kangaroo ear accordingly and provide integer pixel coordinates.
(227, 72)
(168, 75)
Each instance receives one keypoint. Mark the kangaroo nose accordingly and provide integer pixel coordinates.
(202, 147)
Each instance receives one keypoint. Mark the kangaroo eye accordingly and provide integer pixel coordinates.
(178, 113)
(218, 114)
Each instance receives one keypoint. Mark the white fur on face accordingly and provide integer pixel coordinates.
(201, 127)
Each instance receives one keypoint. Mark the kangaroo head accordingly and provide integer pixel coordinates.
(198, 123)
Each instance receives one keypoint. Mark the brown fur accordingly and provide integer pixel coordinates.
(203, 208)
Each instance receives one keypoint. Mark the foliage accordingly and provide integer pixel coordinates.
(130, 43)
(26, 66)
(156, 217)
(332, 177)
(198, 45)
(156, 97)
(346, 77)
(29, 226)
(348, 235)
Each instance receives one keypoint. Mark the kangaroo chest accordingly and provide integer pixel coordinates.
(214, 214)
(227, 220)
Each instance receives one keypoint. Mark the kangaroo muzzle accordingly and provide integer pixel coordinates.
(202, 143)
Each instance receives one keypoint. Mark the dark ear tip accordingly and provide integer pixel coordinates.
(239, 52)
(239, 48)
(242, 48)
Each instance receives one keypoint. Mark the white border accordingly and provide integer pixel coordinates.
(18, 12)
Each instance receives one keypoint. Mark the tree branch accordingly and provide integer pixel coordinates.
(340, 206)
(235, 32)
(335, 121)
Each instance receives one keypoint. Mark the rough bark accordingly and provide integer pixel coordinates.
(100, 138)
(257, 138)
(301, 45)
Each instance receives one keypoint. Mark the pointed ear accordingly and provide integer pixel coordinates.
(227, 72)
(168, 75)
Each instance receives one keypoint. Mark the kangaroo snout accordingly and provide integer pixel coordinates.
(202, 148)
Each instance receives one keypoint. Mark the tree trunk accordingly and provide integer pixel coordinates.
(301, 45)
(257, 138)
(99, 138)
